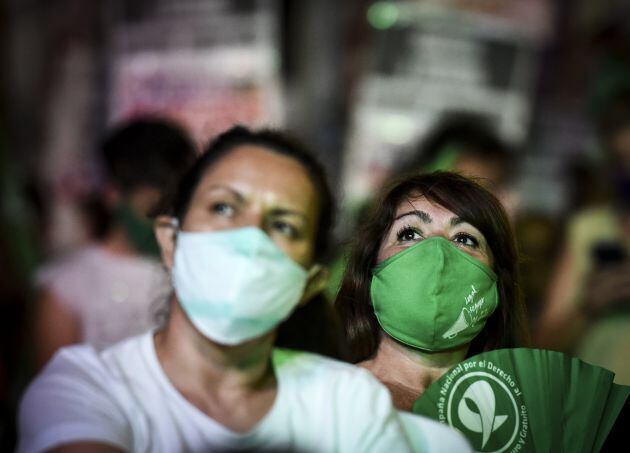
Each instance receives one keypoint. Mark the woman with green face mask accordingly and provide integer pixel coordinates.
(432, 280)
(431, 308)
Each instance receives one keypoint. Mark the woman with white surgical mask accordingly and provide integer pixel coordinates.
(241, 246)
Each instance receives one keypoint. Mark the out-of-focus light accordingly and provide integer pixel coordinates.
(382, 15)
(395, 128)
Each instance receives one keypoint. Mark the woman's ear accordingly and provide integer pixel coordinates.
(165, 228)
(317, 280)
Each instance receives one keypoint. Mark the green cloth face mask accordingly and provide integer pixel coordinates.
(433, 296)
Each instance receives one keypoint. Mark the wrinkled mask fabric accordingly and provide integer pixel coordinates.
(433, 296)
(235, 285)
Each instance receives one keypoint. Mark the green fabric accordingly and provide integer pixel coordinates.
(526, 400)
(433, 296)
(336, 269)
(282, 356)
(445, 159)
(139, 230)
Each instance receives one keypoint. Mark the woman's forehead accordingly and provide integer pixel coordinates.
(419, 202)
(260, 173)
(418, 207)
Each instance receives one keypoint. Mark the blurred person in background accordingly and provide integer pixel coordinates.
(430, 237)
(466, 143)
(588, 308)
(242, 241)
(104, 291)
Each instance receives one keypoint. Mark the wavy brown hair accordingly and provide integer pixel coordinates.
(505, 328)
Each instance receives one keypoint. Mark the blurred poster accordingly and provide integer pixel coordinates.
(434, 57)
(533, 17)
(206, 64)
(205, 90)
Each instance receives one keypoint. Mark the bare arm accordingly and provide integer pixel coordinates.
(561, 321)
(55, 326)
(86, 447)
(608, 289)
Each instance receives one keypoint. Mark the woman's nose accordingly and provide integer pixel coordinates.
(436, 234)
(254, 218)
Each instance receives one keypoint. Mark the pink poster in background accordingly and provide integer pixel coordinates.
(206, 91)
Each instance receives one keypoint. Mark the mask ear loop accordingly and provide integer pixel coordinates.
(176, 230)
(168, 222)
(162, 312)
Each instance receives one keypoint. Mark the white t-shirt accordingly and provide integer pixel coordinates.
(113, 297)
(428, 435)
(121, 396)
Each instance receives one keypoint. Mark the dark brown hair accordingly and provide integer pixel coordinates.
(147, 151)
(472, 203)
(275, 141)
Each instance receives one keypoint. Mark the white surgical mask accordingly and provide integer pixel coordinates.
(235, 285)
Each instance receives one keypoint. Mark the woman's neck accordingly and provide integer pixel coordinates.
(408, 372)
(181, 347)
(218, 378)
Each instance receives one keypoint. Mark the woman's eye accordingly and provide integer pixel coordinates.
(466, 240)
(223, 209)
(408, 234)
(285, 228)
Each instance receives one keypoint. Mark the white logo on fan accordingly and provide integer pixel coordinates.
(477, 410)
(486, 405)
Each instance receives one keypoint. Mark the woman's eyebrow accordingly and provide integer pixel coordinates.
(458, 221)
(426, 218)
(288, 211)
(236, 194)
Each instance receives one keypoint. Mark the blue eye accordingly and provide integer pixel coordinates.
(407, 234)
(223, 209)
(466, 240)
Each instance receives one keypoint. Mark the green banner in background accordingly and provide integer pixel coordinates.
(512, 400)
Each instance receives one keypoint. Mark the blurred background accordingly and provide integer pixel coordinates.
(517, 92)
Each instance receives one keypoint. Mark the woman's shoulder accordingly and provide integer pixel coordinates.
(294, 361)
(344, 402)
(72, 361)
(85, 363)
(78, 394)
(432, 436)
(314, 371)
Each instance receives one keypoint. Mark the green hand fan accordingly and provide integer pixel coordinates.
(526, 400)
